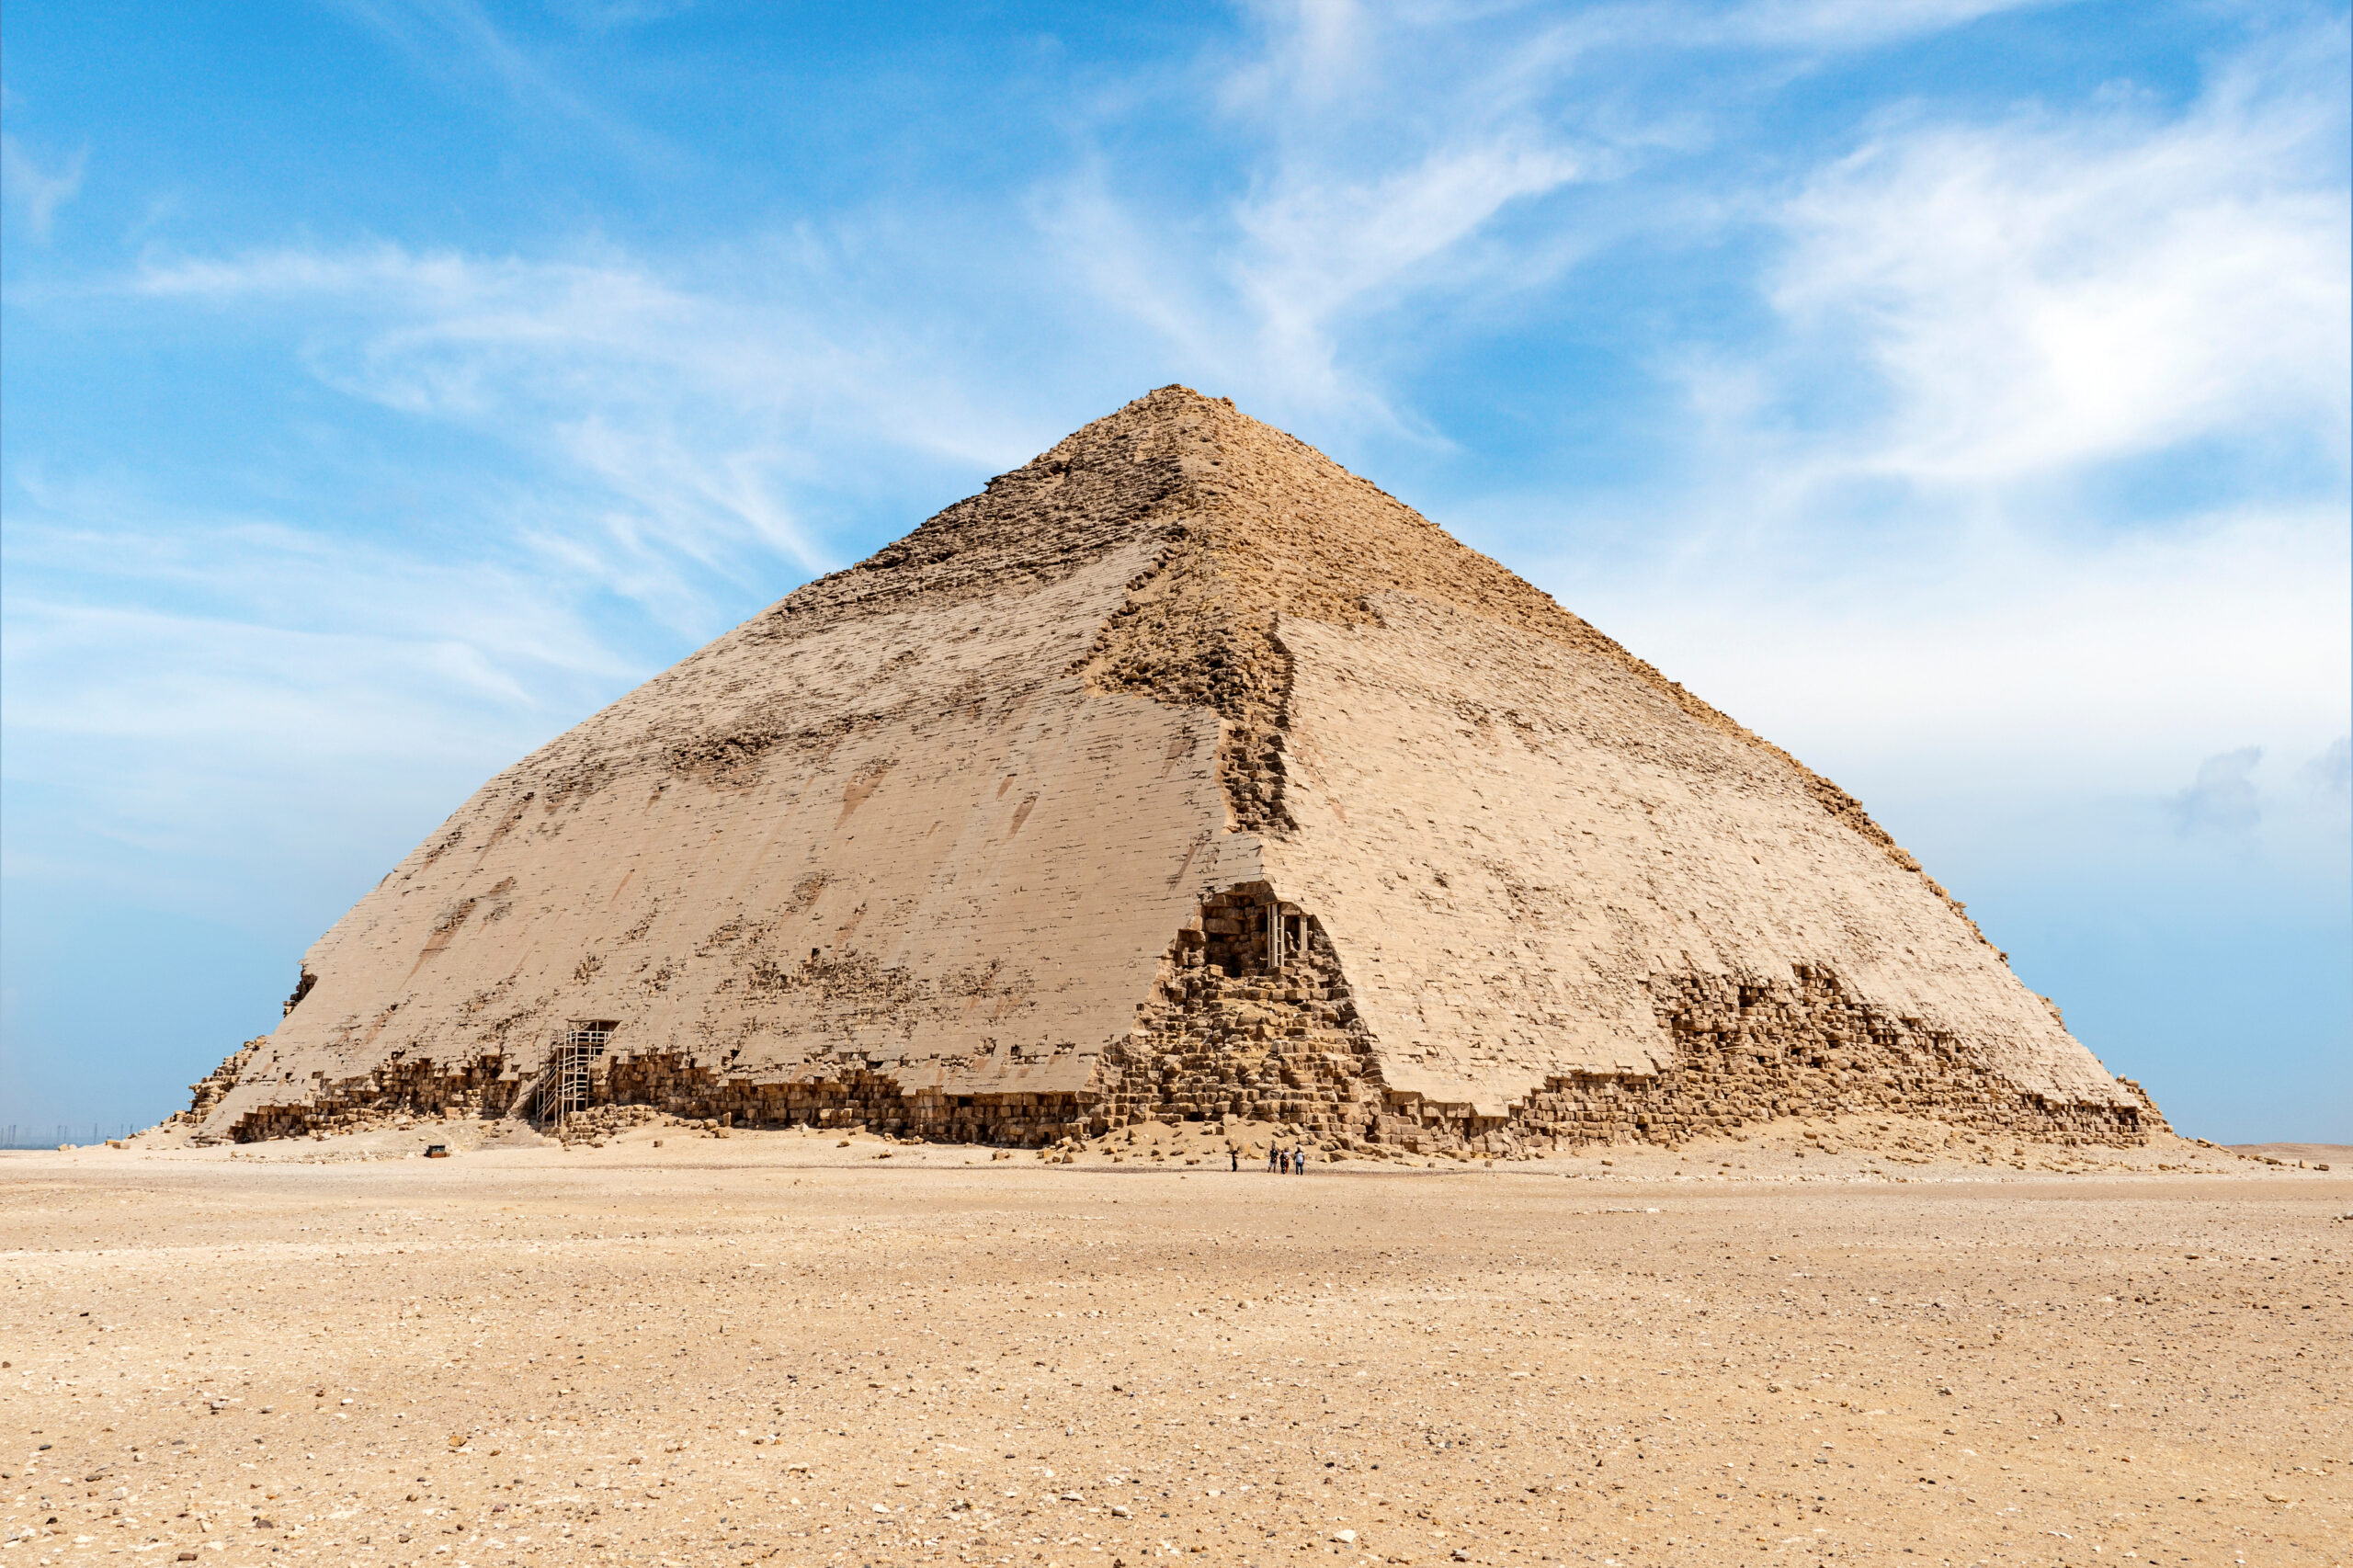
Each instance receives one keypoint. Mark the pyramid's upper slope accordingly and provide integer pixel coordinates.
(1249, 525)
(1272, 528)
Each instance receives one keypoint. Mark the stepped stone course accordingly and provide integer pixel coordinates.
(1179, 774)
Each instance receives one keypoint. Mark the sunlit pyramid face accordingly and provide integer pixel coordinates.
(1178, 776)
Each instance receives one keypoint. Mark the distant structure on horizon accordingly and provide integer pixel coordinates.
(1179, 774)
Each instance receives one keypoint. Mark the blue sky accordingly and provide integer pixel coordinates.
(1954, 391)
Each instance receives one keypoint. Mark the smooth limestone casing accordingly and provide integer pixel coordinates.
(990, 869)
(1510, 843)
(994, 774)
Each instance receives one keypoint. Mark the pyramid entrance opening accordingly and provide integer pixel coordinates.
(1249, 931)
(1250, 1019)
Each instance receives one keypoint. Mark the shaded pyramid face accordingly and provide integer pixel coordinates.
(1178, 774)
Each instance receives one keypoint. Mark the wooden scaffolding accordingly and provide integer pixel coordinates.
(583, 1042)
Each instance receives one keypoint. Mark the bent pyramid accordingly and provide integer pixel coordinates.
(1178, 774)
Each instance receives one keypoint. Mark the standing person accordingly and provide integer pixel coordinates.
(1235, 1155)
(1273, 1153)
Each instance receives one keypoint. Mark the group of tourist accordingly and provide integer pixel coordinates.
(1280, 1160)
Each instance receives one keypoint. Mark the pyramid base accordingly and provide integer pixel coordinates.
(1224, 1041)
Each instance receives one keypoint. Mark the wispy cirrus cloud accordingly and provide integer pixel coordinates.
(1303, 264)
(689, 419)
(131, 617)
(1844, 24)
(183, 687)
(1378, 148)
(36, 190)
(1976, 660)
(460, 43)
(2051, 291)
(2038, 464)
(1400, 162)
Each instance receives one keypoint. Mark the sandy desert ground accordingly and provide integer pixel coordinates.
(790, 1349)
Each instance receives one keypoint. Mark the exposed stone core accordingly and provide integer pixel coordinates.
(1180, 773)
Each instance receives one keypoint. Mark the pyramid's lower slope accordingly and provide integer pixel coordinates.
(1178, 774)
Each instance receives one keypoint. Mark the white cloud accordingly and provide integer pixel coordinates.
(457, 38)
(37, 190)
(1267, 308)
(2331, 772)
(130, 622)
(604, 16)
(179, 688)
(1395, 162)
(1849, 24)
(2223, 797)
(1317, 249)
(1379, 146)
(2001, 660)
(685, 418)
(1903, 550)
(2055, 291)
(1309, 51)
